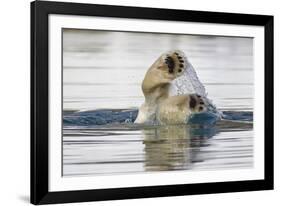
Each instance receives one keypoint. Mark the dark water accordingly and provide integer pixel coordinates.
(102, 74)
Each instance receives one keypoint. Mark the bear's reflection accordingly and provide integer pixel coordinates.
(174, 147)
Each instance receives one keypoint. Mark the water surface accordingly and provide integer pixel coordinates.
(104, 70)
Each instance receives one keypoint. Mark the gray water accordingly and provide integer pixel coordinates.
(104, 70)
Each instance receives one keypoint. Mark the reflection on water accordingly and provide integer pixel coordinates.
(167, 148)
(104, 70)
(128, 148)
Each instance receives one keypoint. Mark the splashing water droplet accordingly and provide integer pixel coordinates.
(188, 83)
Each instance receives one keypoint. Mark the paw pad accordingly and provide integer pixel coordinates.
(170, 63)
(175, 62)
(196, 103)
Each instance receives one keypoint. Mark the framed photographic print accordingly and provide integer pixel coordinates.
(131, 102)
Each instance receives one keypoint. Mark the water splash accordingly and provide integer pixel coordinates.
(188, 83)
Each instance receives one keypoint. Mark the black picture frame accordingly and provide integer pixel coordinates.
(40, 111)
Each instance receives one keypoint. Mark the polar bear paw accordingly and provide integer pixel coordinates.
(177, 109)
(197, 103)
(175, 62)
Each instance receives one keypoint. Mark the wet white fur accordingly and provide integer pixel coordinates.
(159, 106)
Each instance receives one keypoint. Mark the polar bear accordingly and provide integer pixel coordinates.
(159, 106)
(177, 109)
